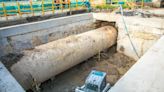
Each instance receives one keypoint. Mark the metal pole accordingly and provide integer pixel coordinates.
(43, 7)
(61, 5)
(53, 8)
(76, 4)
(4, 10)
(31, 8)
(142, 3)
(69, 2)
(19, 11)
(104, 2)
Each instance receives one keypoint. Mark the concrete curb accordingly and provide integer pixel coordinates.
(147, 74)
(8, 82)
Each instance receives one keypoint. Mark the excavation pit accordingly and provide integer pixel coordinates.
(114, 61)
(110, 61)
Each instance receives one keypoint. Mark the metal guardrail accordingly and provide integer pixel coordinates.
(26, 7)
(21, 8)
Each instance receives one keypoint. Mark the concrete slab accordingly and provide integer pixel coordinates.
(111, 17)
(159, 11)
(8, 82)
(147, 74)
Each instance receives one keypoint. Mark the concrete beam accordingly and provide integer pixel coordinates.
(8, 82)
(40, 25)
(110, 17)
(147, 74)
(26, 36)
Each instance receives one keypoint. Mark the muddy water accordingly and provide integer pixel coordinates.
(113, 63)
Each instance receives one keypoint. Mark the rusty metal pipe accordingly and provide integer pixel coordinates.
(48, 60)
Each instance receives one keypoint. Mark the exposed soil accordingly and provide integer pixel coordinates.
(10, 59)
(113, 63)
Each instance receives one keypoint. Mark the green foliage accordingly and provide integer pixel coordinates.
(107, 6)
(125, 6)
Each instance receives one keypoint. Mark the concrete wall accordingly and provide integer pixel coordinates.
(144, 32)
(26, 36)
(147, 74)
(7, 82)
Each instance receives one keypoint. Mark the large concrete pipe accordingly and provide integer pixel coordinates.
(48, 60)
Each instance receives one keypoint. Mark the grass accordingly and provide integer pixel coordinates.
(107, 6)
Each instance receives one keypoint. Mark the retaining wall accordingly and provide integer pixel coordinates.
(144, 33)
(7, 82)
(27, 36)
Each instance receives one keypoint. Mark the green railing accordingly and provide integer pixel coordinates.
(25, 7)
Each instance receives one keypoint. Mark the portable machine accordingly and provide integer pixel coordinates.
(95, 82)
